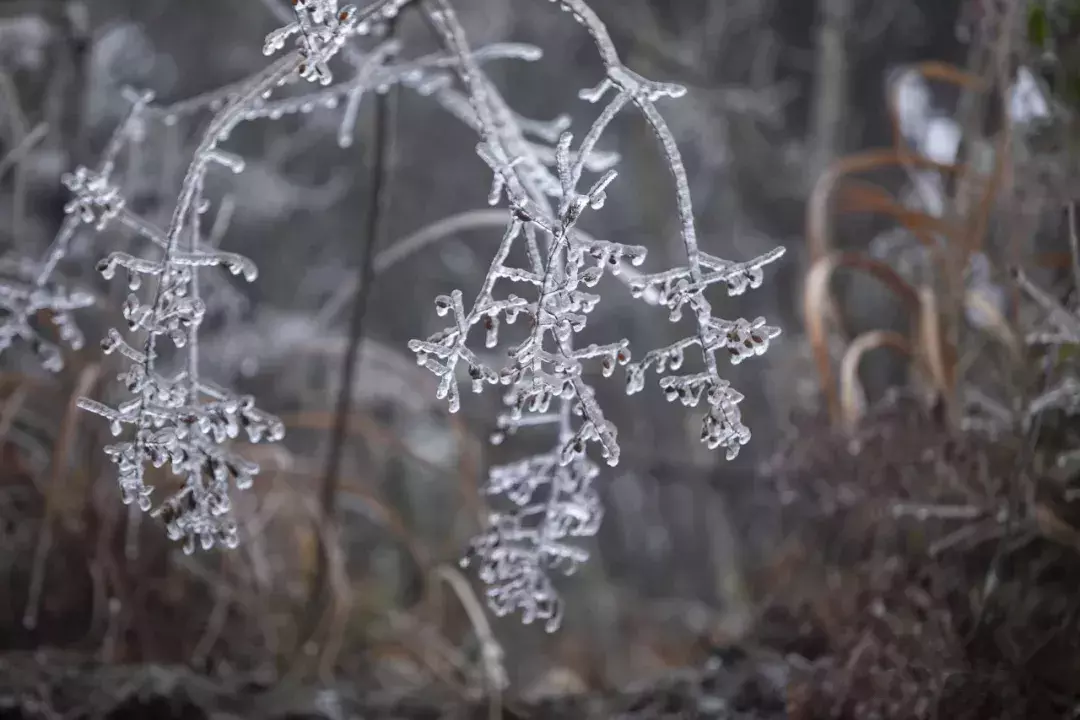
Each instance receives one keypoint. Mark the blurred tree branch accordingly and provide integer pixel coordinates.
(830, 99)
(378, 204)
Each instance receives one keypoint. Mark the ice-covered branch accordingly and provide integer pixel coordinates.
(33, 287)
(546, 271)
(181, 420)
(545, 367)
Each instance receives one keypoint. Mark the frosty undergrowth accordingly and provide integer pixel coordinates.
(538, 171)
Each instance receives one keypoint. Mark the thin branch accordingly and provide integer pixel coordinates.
(383, 141)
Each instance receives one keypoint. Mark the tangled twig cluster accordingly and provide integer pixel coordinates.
(183, 420)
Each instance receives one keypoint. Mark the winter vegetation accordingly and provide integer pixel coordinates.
(267, 492)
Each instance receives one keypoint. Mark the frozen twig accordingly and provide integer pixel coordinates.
(552, 493)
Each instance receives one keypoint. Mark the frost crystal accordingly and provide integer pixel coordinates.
(95, 201)
(321, 29)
